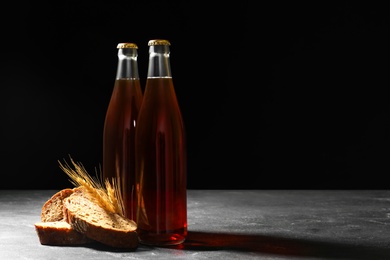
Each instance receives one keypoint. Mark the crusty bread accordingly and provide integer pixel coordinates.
(57, 233)
(52, 210)
(90, 219)
(74, 217)
(53, 230)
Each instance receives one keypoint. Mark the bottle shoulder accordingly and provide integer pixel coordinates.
(160, 102)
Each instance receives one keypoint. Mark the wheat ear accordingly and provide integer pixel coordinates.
(115, 196)
(80, 177)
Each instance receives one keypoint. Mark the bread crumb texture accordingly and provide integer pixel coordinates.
(59, 233)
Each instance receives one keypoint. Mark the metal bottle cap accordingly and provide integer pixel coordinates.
(158, 42)
(127, 45)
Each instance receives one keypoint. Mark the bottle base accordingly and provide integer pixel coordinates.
(161, 239)
(161, 243)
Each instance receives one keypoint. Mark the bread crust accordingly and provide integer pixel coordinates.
(59, 233)
(88, 218)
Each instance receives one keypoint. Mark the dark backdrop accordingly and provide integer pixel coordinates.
(282, 95)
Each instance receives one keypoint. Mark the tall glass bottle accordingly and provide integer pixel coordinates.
(120, 124)
(161, 160)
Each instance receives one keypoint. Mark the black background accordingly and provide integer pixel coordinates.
(282, 95)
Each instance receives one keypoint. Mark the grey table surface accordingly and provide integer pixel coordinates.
(230, 224)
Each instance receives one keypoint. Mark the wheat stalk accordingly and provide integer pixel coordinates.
(107, 195)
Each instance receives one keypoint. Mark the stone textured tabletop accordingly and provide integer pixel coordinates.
(230, 224)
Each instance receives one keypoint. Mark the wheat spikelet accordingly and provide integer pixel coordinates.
(115, 196)
(107, 196)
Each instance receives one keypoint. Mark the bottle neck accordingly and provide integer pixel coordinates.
(127, 64)
(159, 63)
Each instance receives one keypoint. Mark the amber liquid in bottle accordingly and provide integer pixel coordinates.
(119, 135)
(161, 166)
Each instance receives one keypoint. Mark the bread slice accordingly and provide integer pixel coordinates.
(86, 216)
(57, 233)
(52, 210)
(53, 229)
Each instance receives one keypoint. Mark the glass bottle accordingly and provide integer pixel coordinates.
(120, 124)
(161, 160)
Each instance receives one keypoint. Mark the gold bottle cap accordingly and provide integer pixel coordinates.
(127, 45)
(158, 42)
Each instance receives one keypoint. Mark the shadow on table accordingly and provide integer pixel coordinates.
(204, 241)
